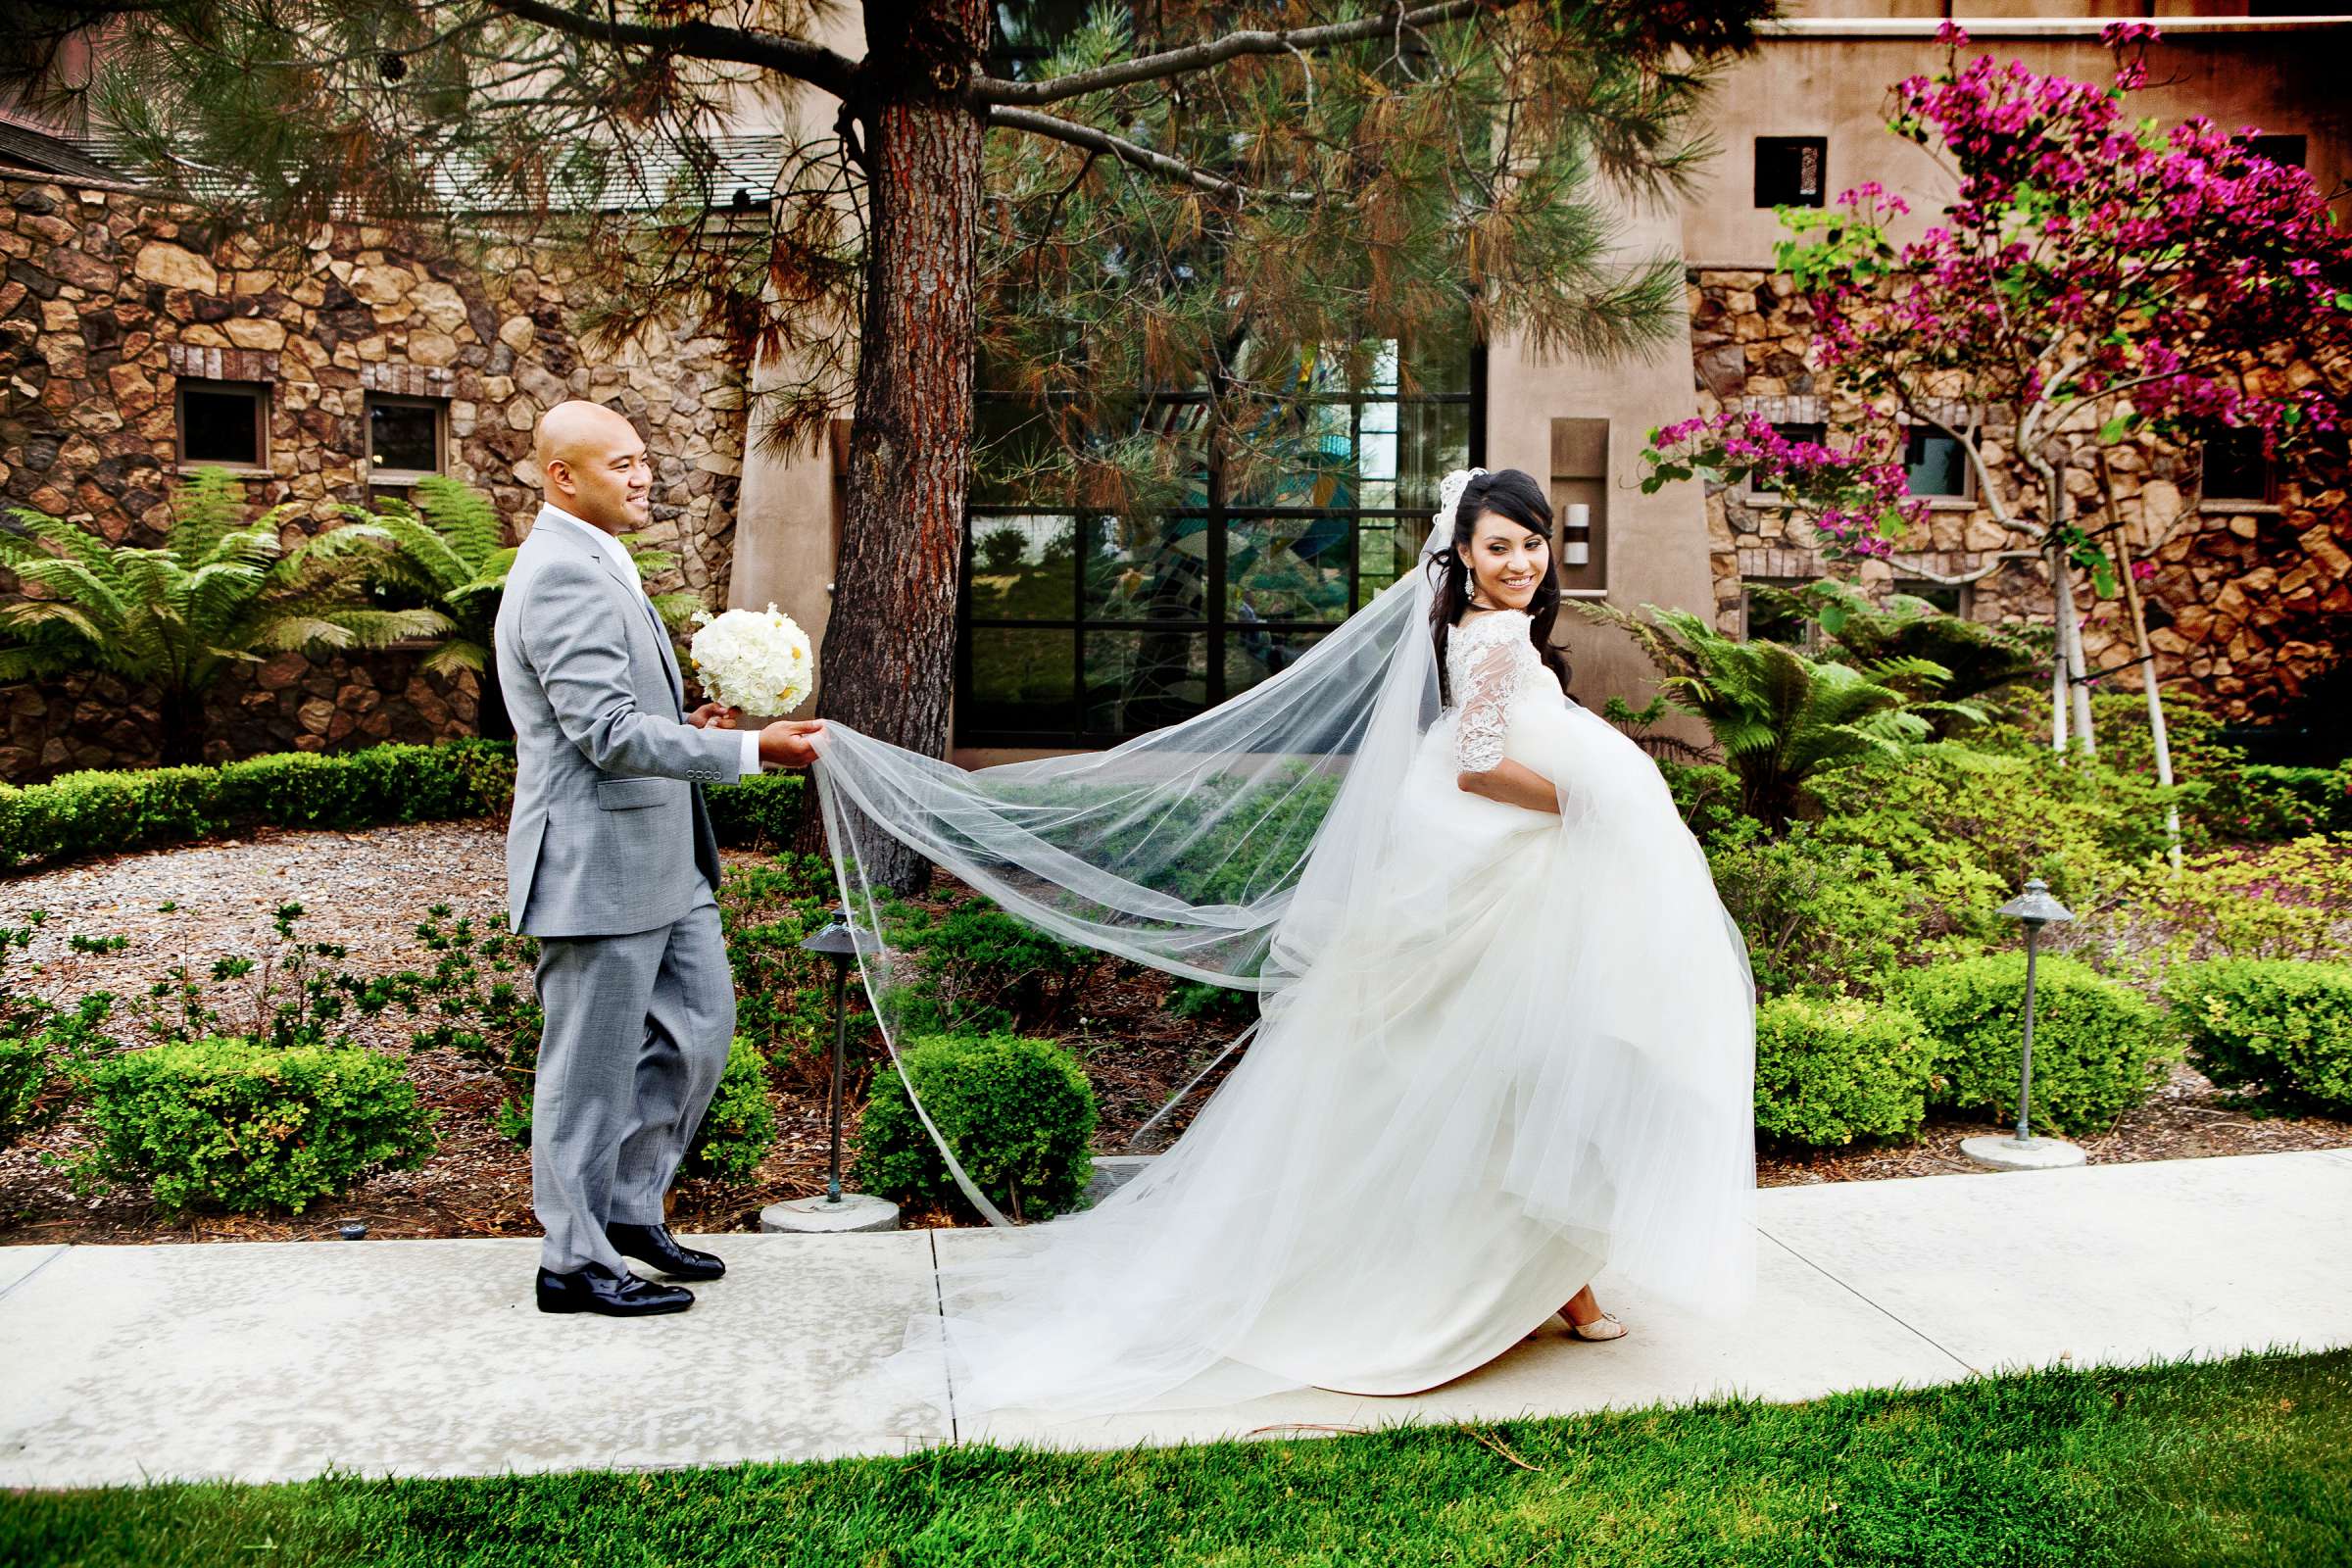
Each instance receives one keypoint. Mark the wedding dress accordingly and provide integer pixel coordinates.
(1497, 1050)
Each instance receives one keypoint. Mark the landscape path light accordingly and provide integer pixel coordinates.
(2032, 909)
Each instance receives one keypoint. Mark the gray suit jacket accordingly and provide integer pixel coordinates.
(610, 833)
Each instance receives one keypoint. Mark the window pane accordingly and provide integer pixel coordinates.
(1288, 568)
(1140, 680)
(404, 436)
(2235, 468)
(1253, 652)
(1789, 171)
(1949, 597)
(220, 425)
(1433, 442)
(1772, 618)
(1021, 567)
(1385, 550)
(1021, 680)
(1933, 464)
(1146, 568)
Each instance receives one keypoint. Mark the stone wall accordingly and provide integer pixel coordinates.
(2247, 604)
(110, 300)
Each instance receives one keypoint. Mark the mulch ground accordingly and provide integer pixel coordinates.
(369, 890)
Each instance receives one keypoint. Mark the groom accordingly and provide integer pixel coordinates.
(611, 864)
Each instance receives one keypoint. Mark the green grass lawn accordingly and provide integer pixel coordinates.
(2243, 1461)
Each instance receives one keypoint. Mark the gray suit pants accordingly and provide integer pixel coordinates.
(637, 1034)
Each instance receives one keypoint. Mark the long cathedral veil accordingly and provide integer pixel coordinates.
(1221, 849)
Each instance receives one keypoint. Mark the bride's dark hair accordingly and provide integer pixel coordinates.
(1507, 493)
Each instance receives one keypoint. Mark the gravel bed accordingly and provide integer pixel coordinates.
(369, 890)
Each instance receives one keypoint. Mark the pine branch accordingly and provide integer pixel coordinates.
(796, 58)
(1195, 58)
(1140, 157)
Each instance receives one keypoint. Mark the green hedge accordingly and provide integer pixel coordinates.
(1018, 1111)
(1829, 1071)
(2098, 1047)
(2275, 1026)
(78, 814)
(26, 1067)
(243, 1127)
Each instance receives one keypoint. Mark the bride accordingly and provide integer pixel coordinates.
(1505, 1035)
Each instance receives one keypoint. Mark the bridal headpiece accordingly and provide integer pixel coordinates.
(1450, 496)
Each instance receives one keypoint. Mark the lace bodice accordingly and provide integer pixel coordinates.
(1487, 658)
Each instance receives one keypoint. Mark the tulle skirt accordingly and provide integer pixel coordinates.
(1528, 1055)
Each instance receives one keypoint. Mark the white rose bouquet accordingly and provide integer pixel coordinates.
(758, 660)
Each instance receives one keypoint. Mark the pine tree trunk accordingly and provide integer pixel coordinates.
(887, 666)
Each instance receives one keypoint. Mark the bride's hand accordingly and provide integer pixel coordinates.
(714, 716)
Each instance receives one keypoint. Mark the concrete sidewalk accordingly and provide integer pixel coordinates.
(260, 1361)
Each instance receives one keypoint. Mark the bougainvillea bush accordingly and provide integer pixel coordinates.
(2095, 276)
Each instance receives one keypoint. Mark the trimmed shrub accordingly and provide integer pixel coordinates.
(78, 814)
(759, 810)
(740, 1126)
(2098, 1047)
(1832, 1070)
(1018, 1112)
(230, 1124)
(2271, 1025)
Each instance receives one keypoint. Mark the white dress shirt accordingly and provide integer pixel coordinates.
(750, 737)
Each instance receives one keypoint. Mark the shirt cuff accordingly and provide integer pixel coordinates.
(751, 751)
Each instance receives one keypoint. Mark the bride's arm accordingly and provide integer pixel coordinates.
(1487, 684)
(1514, 784)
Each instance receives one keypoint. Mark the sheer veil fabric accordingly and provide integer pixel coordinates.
(1497, 1050)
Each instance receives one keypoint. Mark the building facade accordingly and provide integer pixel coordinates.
(138, 346)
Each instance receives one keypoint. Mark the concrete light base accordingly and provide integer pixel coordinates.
(815, 1216)
(2007, 1152)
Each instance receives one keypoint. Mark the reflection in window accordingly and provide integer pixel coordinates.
(1935, 464)
(1311, 507)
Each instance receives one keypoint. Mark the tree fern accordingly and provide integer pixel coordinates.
(1780, 717)
(220, 591)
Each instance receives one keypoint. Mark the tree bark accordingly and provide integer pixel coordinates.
(888, 662)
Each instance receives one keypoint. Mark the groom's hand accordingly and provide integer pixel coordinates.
(714, 716)
(792, 742)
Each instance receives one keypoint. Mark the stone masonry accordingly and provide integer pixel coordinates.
(110, 300)
(2248, 602)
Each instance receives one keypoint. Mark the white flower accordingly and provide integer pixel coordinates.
(759, 662)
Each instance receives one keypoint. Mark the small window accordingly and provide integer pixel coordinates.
(404, 439)
(1791, 170)
(1935, 464)
(224, 422)
(1814, 431)
(2290, 151)
(1952, 597)
(2237, 468)
(1770, 617)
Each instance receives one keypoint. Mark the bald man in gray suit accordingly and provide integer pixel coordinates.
(612, 864)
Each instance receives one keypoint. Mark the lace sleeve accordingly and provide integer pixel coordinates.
(1490, 673)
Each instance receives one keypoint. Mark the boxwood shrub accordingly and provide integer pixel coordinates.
(80, 814)
(1018, 1112)
(2098, 1047)
(230, 1124)
(1833, 1070)
(739, 1127)
(2276, 1026)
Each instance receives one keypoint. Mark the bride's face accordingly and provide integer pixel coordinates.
(1507, 563)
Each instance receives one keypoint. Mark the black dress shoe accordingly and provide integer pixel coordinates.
(594, 1288)
(654, 1247)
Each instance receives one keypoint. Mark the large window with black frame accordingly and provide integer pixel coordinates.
(1082, 629)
